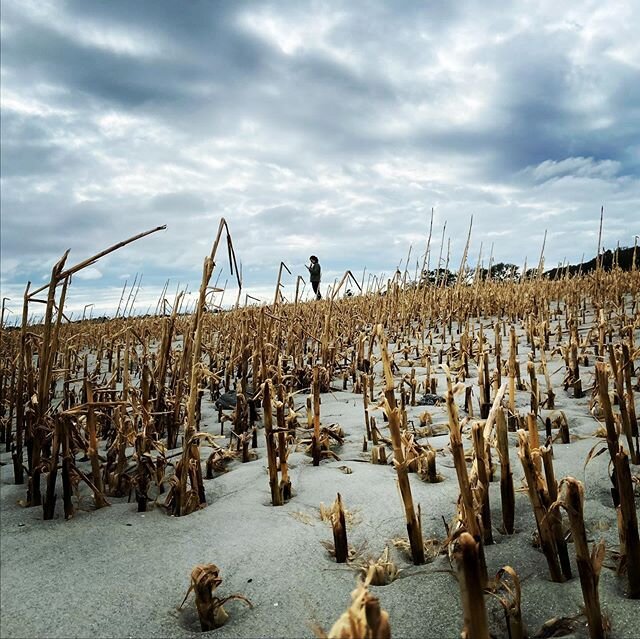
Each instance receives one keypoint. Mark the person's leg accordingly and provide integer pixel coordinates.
(316, 287)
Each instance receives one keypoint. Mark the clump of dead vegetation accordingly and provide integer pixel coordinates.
(115, 410)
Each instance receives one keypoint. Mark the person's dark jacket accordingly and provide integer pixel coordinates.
(314, 272)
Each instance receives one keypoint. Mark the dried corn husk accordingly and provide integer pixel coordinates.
(205, 579)
(364, 619)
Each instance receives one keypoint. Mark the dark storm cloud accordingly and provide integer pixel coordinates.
(312, 127)
(28, 159)
(27, 148)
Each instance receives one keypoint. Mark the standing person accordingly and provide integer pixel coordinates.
(314, 275)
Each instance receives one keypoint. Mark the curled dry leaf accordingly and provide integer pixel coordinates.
(205, 579)
(506, 590)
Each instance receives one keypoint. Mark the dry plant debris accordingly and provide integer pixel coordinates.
(380, 571)
(205, 579)
(364, 619)
(98, 412)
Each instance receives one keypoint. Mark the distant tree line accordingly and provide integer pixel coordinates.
(620, 257)
(505, 271)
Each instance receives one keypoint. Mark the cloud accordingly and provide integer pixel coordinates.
(89, 273)
(326, 127)
(578, 167)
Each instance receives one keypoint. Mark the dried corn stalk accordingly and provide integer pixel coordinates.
(364, 619)
(541, 504)
(205, 579)
(507, 591)
(471, 580)
(469, 511)
(339, 526)
(414, 527)
(432, 547)
(589, 564)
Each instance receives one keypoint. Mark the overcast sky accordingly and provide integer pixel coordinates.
(313, 127)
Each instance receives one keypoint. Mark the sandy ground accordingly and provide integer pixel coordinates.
(117, 573)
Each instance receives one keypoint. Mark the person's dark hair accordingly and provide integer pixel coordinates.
(313, 258)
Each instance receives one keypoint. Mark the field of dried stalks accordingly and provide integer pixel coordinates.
(428, 461)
